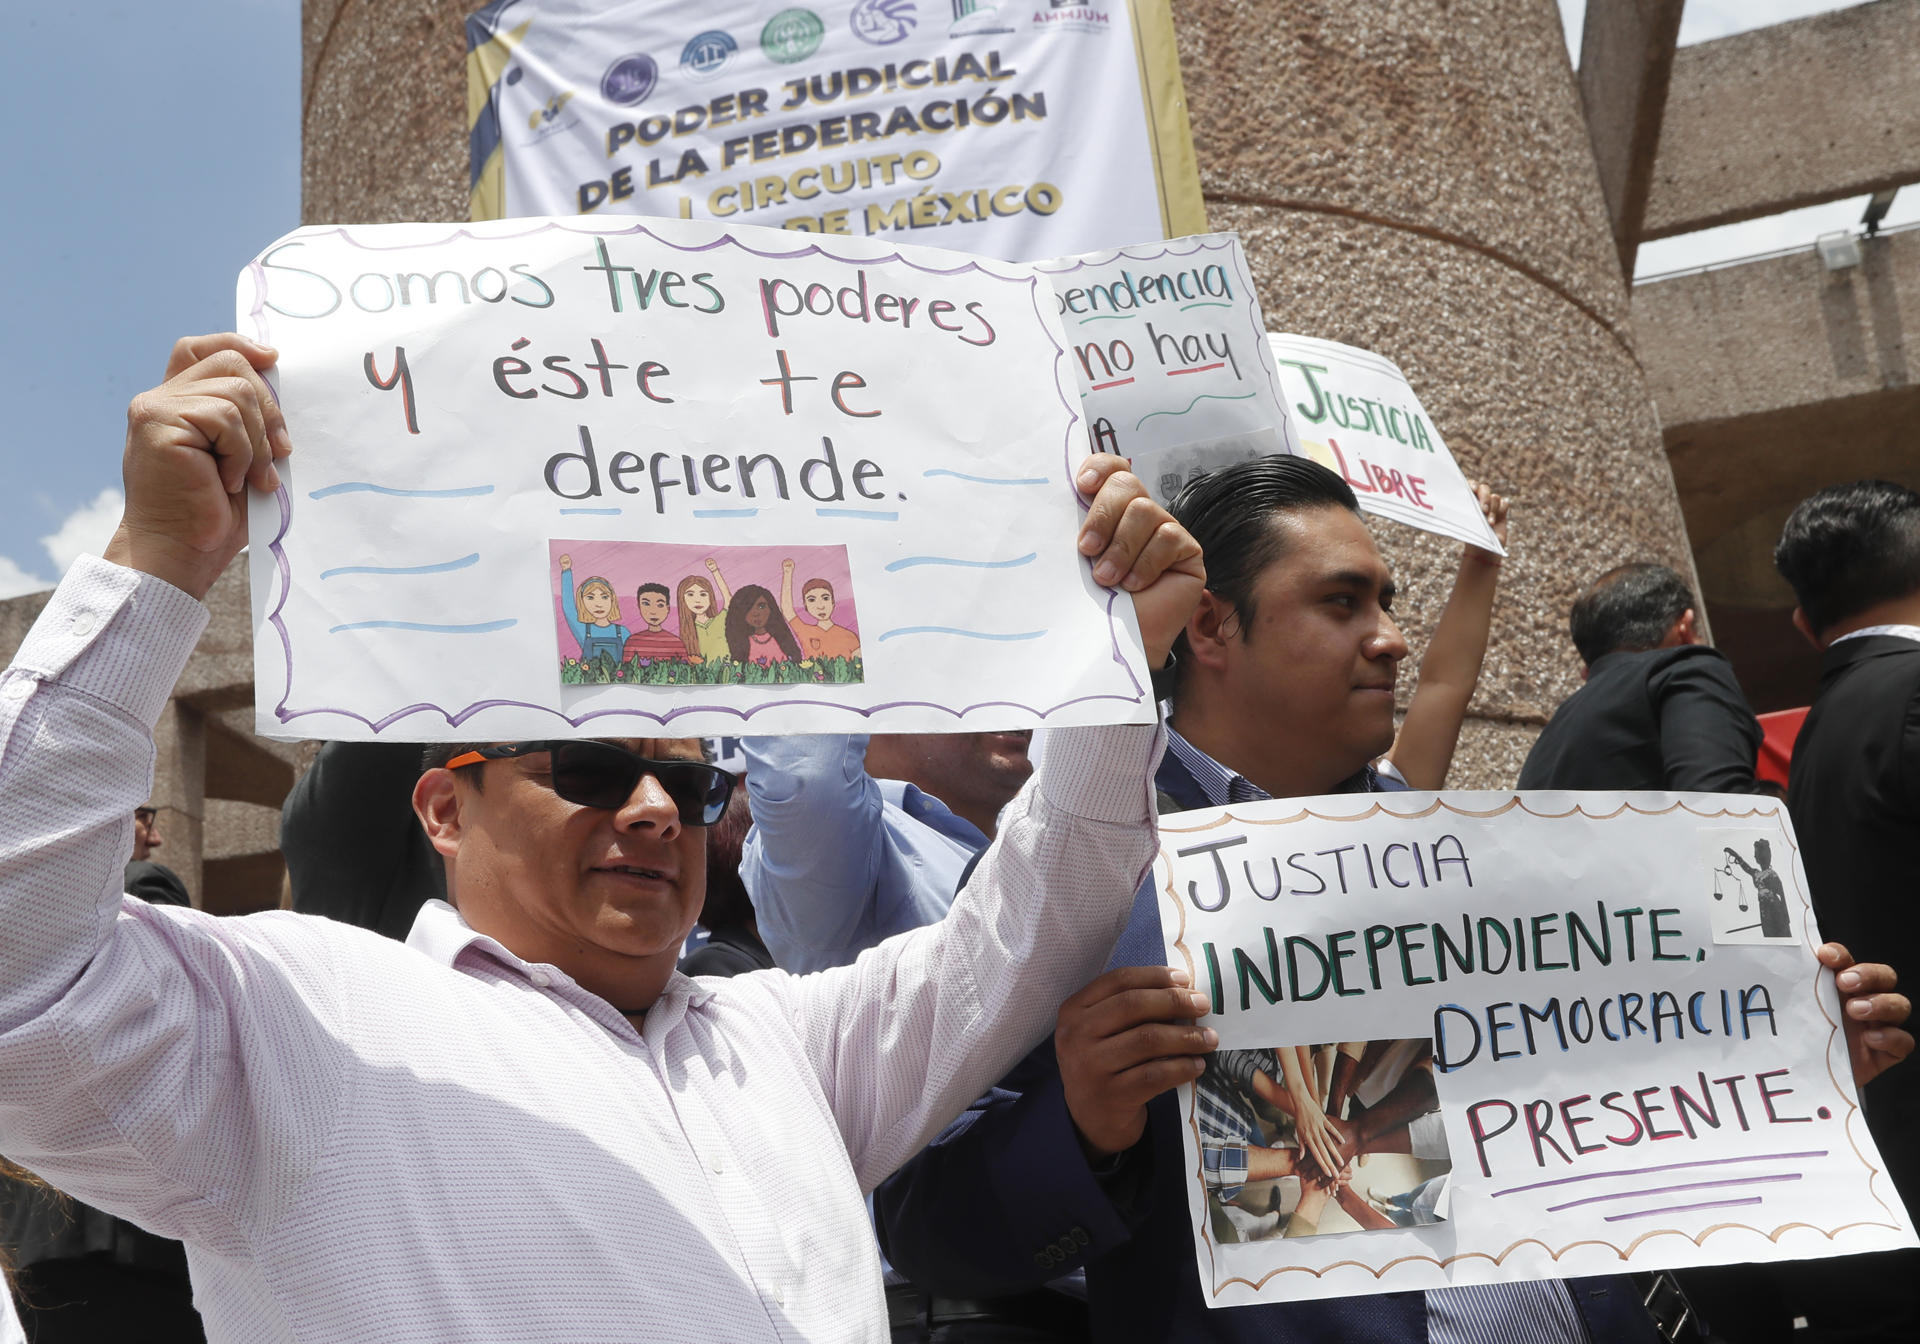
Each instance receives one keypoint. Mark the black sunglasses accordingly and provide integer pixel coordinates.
(599, 774)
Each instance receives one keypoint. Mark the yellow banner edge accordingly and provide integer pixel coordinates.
(1176, 168)
(487, 198)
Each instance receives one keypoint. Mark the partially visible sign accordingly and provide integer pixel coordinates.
(1172, 356)
(1476, 1038)
(1354, 412)
(1015, 130)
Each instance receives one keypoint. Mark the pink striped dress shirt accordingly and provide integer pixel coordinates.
(360, 1140)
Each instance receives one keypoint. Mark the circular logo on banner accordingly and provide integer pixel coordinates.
(882, 22)
(792, 35)
(704, 56)
(629, 79)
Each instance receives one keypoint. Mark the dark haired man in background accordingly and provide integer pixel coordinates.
(147, 877)
(1660, 710)
(1852, 556)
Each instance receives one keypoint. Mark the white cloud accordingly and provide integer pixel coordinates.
(87, 529)
(15, 580)
(1771, 233)
(1704, 20)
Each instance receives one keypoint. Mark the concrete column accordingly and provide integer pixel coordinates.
(1413, 176)
(1626, 60)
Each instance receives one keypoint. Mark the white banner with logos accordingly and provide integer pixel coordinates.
(1007, 128)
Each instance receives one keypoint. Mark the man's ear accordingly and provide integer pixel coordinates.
(1686, 630)
(1213, 624)
(1805, 627)
(436, 801)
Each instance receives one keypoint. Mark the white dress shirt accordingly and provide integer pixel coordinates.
(360, 1140)
(10, 1331)
(1911, 632)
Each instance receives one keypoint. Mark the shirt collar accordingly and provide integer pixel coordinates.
(1911, 632)
(1223, 786)
(1220, 785)
(440, 932)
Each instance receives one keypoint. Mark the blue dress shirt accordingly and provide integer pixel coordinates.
(837, 860)
(1004, 1200)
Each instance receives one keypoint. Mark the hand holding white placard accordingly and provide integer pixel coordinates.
(670, 477)
(1473, 1038)
(1354, 412)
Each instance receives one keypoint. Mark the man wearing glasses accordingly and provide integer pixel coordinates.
(145, 877)
(522, 1124)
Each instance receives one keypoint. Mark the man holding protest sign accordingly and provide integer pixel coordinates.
(1285, 689)
(264, 1087)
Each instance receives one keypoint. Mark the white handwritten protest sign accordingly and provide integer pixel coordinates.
(1354, 413)
(991, 126)
(1467, 1038)
(1172, 356)
(555, 479)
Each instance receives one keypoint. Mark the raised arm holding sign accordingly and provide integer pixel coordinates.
(1284, 689)
(259, 1087)
(537, 453)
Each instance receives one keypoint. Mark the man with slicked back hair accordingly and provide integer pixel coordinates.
(1661, 709)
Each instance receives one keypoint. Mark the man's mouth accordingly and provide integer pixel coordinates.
(635, 870)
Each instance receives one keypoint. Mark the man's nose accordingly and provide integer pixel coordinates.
(649, 807)
(1387, 641)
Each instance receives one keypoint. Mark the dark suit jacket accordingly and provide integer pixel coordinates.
(155, 883)
(1854, 792)
(731, 951)
(1661, 719)
(1004, 1200)
(354, 850)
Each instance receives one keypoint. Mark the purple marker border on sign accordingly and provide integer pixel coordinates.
(454, 718)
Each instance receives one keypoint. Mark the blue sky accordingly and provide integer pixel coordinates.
(151, 150)
(156, 147)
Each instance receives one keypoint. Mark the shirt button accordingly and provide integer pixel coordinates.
(19, 688)
(716, 1165)
(541, 980)
(779, 1296)
(83, 624)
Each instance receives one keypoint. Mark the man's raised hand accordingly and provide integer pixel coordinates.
(1135, 543)
(194, 444)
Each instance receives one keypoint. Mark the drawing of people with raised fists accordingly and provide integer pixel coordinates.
(703, 609)
(819, 638)
(653, 642)
(592, 613)
(757, 632)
